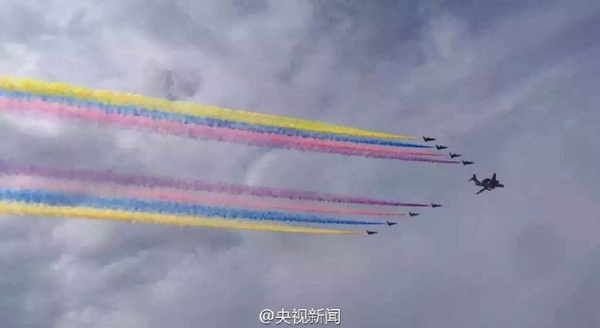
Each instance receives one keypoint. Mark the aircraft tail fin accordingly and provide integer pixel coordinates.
(473, 178)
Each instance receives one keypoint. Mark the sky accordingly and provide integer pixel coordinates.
(512, 85)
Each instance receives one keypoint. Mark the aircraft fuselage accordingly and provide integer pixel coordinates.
(487, 184)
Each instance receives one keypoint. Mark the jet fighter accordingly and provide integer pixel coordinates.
(428, 139)
(390, 223)
(487, 184)
(467, 162)
(453, 155)
(371, 232)
(435, 205)
(413, 214)
(440, 147)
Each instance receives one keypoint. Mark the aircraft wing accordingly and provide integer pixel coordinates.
(480, 191)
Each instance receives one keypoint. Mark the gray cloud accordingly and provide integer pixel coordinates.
(512, 86)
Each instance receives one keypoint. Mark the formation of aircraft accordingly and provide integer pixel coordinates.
(486, 184)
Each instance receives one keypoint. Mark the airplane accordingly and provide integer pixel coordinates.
(390, 223)
(487, 184)
(440, 147)
(428, 139)
(413, 214)
(452, 155)
(467, 162)
(371, 232)
(435, 205)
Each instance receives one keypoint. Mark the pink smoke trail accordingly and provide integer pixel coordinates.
(9, 168)
(222, 134)
(115, 191)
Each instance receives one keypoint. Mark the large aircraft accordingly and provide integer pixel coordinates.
(371, 232)
(390, 223)
(440, 147)
(413, 214)
(487, 184)
(428, 139)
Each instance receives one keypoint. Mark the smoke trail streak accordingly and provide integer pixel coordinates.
(13, 208)
(204, 132)
(188, 119)
(197, 185)
(108, 97)
(103, 190)
(162, 207)
(182, 129)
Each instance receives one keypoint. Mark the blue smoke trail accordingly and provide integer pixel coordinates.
(134, 205)
(188, 119)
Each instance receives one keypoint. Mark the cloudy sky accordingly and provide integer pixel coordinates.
(513, 85)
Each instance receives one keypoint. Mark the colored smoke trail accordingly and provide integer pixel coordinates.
(162, 207)
(221, 134)
(102, 190)
(123, 99)
(188, 119)
(13, 208)
(244, 137)
(164, 182)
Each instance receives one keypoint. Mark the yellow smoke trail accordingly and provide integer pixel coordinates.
(123, 99)
(16, 208)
